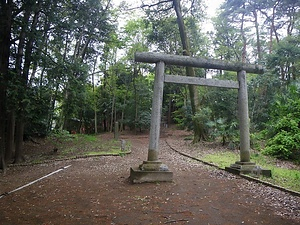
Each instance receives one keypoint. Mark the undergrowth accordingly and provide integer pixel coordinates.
(67, 145)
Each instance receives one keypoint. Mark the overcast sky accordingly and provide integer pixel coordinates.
(212, 6)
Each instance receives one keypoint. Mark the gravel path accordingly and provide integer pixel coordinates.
(283, 204)
(97, 191)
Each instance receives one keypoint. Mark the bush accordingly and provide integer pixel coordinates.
(283, 145)
(284, 127)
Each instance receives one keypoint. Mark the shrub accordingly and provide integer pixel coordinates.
(284, 126)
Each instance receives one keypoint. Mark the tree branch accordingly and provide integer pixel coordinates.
(156, 4)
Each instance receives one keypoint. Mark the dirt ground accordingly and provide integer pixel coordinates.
(97, 191)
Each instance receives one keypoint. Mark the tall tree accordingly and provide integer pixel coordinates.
(135, 39)
(46, 47)
(23, 62)
(163, 8)
(199, 132)
(5, 31)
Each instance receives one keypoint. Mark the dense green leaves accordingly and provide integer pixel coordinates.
(285, 59)
(284, 127)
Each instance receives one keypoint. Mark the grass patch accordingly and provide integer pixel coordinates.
(221, 159)
(103, 153)
(288, 178)
(285, 177)
(67, 145)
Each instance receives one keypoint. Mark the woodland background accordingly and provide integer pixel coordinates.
(69, 65)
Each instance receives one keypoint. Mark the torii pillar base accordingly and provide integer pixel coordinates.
(248, 168)
(150, 171)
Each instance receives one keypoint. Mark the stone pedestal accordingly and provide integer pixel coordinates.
(151, 171)
(248, 168)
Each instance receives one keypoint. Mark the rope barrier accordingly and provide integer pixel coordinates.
(26, 185)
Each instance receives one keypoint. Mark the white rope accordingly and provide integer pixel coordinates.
(26, 185)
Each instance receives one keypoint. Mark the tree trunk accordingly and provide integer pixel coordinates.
(105, 123)
(122, 115)
(112, 113)
(258, 44)
(135, 74)
(2, 128)
(10, 144)
(62, 117)
(95, 97)
(23, 77)
(2, 118)
(271, 41)
(5, 31)
(19, 157)
(274, 29)
(244, 50)
(44, 46)
(52, 108)
(21, 86)
(198, 129)
(169, 116)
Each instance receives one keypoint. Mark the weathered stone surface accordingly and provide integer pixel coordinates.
(151, 166)
(248, 168)
(179, 60)
(142, 176)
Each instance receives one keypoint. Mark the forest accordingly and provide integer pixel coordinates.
(68, 65)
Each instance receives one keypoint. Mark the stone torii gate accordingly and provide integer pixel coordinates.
(154, 170)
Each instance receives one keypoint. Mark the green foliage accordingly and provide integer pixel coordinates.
(144, 119)
(136, 35)
(285, 177)
(137, 111)
(285, 59)
(223, 116)
(202, 117)
(38, 111)
(61, 135)
(262, 93)
(182, 115)
(284, 126)
(257, 140)
(286, 142)
(227, 40)
(227, 131)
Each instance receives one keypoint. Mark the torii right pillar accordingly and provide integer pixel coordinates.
(244, 165)
(243, 116)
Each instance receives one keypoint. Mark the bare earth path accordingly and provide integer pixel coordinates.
(97, 191)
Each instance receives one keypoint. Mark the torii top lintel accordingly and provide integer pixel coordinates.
(207, 63)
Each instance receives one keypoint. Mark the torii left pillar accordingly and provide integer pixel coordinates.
(153, 170)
